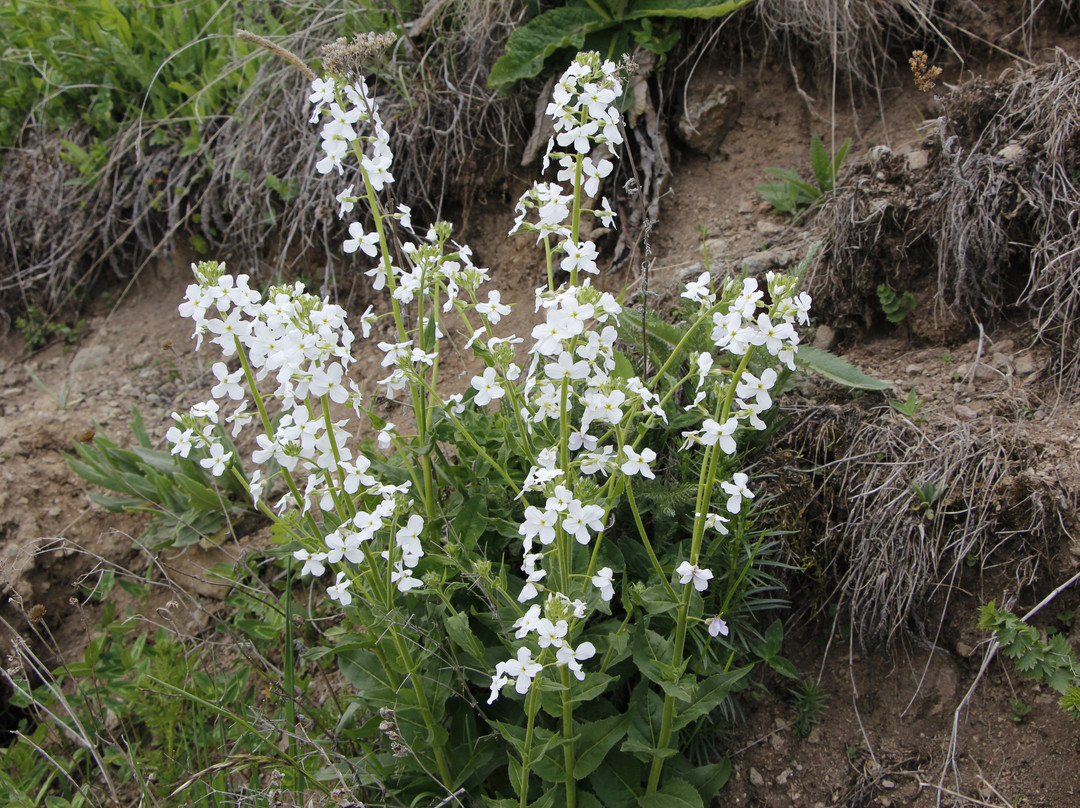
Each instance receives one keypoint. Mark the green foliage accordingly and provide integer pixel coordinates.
(836, 369)
(1051, 662)
(794, 194)
(1018, 710)
(102, 64)
(896, 307)
(36, 331)
(909, 406)
(140, 705)
(808, 700)
(187, 503)
(612, 27)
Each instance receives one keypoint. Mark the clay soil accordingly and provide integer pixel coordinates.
(884, 737)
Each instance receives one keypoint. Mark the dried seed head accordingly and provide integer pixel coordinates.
(925, 77)
(344, 58)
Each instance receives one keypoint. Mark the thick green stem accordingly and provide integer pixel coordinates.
(569, 757)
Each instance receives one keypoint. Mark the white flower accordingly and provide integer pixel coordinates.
(737, 491)
(688, 572)
(217, 459)
(549, 633)
(340, 590)
(494, 309)
(313, 562)
(604, 581)
(718, 627)
(523, 668)
(487, 387)
(638, 463)
(712, 432)
(367, 243)
(573, 658)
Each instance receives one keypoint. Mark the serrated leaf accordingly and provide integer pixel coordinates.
(835, 369)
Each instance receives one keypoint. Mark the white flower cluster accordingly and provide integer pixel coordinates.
(572, 363)
(303, 343)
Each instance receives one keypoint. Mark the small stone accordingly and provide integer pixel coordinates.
(1024, 365)
(767, 227)
(142, 358)
(767, 259)
(917, 160)
(1000, 361)
(825, 338)
(913, 369)
(777, 742)
(1014, 152)
(89, 357)
(965, 412)
(964, 650)
(746, 207)
(716, 247)
(711, 111)
(814, 737)
(784, 776)
(691, 273)
(755, 777)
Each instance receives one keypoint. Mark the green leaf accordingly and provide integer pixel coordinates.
(835, 369)
(821, 164)
(528, 46)
(783, 667)
(708, 780)
(618, 780)
(692, 9)
(652, 654)
(470, 522)
(674, 794)
(594, 740)
(710, 693)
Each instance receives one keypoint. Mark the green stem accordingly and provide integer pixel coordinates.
(425, 706)
(569, 758)
(526, 755)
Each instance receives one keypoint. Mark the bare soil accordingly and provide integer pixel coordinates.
(884, 738)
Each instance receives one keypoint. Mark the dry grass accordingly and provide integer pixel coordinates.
(449, 132)
(886, 552)
(993, 220)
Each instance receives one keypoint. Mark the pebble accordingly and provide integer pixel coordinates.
(716, 247)
(755, 777)
(825, 337)
(766, 260)
(913, 369)
(1024, 365)
(89, 357)
(784, 776)
(767, 227)
(917, 160)
(965, 412)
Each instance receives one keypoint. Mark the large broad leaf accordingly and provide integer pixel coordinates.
(681, 8)
(837, 370)
(594, 740)
(528, 46)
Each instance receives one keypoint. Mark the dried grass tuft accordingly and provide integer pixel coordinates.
(852, 37)
(994, 220)
(886, 549)
(250, 191)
